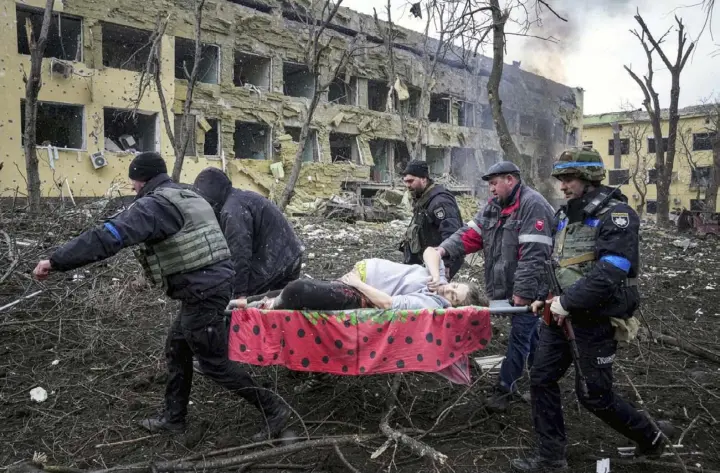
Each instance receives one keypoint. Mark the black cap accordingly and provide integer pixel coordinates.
(503, 167)
(417, 168)
(147, 165)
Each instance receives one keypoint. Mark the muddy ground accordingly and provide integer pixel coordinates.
(94, 341)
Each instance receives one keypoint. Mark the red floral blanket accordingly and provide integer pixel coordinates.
(363, 341)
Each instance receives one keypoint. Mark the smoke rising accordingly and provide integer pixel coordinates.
(549, 58)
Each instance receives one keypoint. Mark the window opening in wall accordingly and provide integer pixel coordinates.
(651, 206)
(439, 109)
(341, 92)
(587, 144)
(401, 157)
(208, 69)
(343, 148)
(527, 125)
(651, 144)
(298, 81)
(58, 125)
(311, 152)
(624, 146)
(511, 119)
(543, 128)
(250, 69)
(490, 157)
(559, 134)
(377, 95)
(484, 117)
(409, 107)
(618, 176)
(125, 131)
(463, 165)
(252, 140)
(702, 141)
(212, 138)
(435, 158)
(179, 132)
(697, 205)
(64, 39)
(652, 176)
(380, 150)
(466, 114)
(700, 177)
(124, 47)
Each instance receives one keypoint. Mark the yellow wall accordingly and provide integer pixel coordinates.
(680, 191)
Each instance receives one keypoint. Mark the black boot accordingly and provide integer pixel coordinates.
(275, 416)
(499, 401)
(161, 424)
(538, 463)
(656, 447)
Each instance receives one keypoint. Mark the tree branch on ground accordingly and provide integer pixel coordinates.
(33, 84)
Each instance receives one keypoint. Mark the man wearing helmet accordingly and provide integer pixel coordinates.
(514, 230)
(597, 251)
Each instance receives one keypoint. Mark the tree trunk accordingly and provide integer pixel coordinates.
(289, 191)
(712, 190)
(32, 90)
(663, 188)
(506, 141)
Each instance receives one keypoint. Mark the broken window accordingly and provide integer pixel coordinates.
(511, 120)
(624, 146)
(651, 145)
(380, 150)
(700, 176)
(344, 148)
(179, 132)
(559, 133)
(703, 141)
(249, 69)
(124, 47)
(651, 206)
(652, 175)
(297, 80)
(490, 157)
(485, 118)
(311, 151)
(252, 141)
(128, 131)
(341, 92)
(463, 165)
(208, 68)
(587, 144)
(212, 138)
(401, 156)
(64, 40)
(377, 95)
(435, 158)
(466, 114)
(618, 177)
(543, 128)
(58, 125)
(527, 124)
(439, 109)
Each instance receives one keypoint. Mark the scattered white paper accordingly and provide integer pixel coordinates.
(603, 466)
(38, 394)
(55, 362)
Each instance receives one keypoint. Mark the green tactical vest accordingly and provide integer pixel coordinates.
(412, 234)
(575, 247)
(199, 243)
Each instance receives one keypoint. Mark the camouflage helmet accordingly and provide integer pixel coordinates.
(584, 163)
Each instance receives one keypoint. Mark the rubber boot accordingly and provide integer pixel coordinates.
(538, 463)
(659, 443)
(275, 416)
(161, 424)
(499, 401)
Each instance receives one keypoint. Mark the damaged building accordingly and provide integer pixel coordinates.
(251, 98)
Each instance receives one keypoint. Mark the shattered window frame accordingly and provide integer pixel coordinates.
(300, 68)
(47, 107)
(703, 141)
(54, 36)
(259, 57)
(617, 177)
(351, 91)
(218, 130)
(700, 177)
(189, 45)
(624, 146)
(268, 133)
(147, 116)
(356, 155)
(651, 144)
(137, 59)
(381, 105)
(294, 131)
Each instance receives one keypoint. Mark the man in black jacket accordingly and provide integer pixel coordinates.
(436, 216)
(183, 250)
(266, 253)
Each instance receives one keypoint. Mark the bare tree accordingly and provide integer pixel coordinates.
(33, 83)
(323, 67)
(151, 75)
(639, 165)
(713, 130)
(685, 138)
(664, 160)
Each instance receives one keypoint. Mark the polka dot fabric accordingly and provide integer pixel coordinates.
(359, 342)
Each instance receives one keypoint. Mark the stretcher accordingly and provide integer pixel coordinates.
(365, 341)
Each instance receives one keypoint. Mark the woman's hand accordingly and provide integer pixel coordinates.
(351, 279)
(433, 284)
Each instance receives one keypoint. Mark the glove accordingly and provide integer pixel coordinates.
(557, 308)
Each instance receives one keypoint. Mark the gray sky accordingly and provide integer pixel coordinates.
(595, 44)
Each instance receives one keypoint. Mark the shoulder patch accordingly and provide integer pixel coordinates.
(539, 225)
(620, 219)
(439, 213)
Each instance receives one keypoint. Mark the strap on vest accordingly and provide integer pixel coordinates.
(583, 258)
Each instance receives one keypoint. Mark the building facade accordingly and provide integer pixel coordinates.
(635, 170)
(251, 99)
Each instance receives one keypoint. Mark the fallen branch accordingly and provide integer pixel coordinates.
(125, 442)
(342, 458)
(682, 436)
(688, 347)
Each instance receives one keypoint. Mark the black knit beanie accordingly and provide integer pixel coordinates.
(416, 168)
(147, 165)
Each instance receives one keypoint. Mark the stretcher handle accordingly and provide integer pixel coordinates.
(494, 311)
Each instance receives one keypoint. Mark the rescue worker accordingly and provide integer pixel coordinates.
(436, 216)
(597, 251)
(266, 253)
(183, 249)
(514, 232)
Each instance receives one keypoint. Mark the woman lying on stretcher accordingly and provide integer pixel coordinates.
(374, 283)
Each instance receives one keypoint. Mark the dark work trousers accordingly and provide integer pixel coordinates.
(200, 330)
(290, 274)
(521, 348)
(317, 294)
(597, 353)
